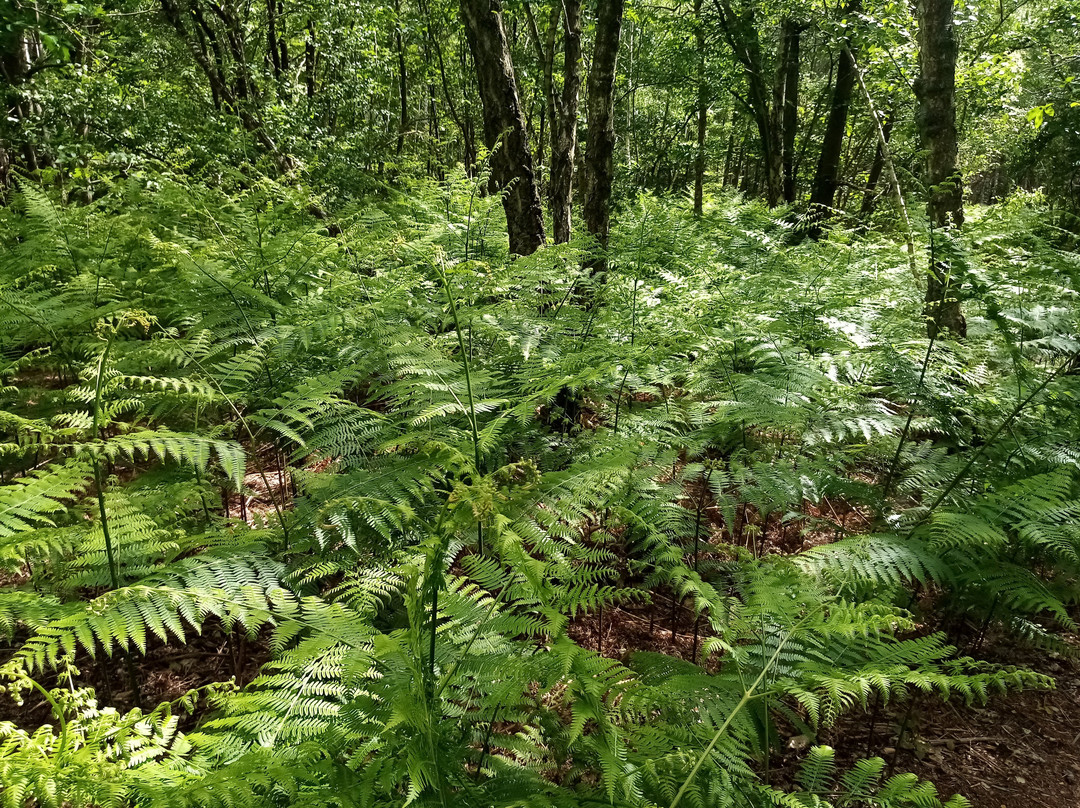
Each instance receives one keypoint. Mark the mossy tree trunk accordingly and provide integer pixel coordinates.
(936, 92)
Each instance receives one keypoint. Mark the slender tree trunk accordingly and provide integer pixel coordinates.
(633, 153)
(856, 150)
(283, 41)
(310, 59)
(827, 178)
(936, 92)
(564, 136)
(600, 148)
(240, 95)
(272, 38)
(403, 79)
(551, 103)
(813, 121)
(702, 112)
(729, 152)
(876, 167)
(775, 167)
(434, 129)
(504, 124)
(544, 43)
(792, 33)
(463, 123)
(740, 31)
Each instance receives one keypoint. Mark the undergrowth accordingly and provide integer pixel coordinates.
(447, 463)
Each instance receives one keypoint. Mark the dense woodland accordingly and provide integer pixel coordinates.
(533, 403)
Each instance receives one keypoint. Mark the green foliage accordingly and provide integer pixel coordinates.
(446, 477)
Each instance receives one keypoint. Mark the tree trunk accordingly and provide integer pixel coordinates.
(600, 148)
(463, 122)
(235, 88)
(311, 55)
(435, 155)
(792, 34)
(740, 31)
(827, 178)
(272, 38)
(545, 52)
(729, 152)
(855, 151)
(702, 112)
(403, 79)
(504, 124)
(777, 138)
(564, 137)
(283, 42)
(876, 167)
(936, 92)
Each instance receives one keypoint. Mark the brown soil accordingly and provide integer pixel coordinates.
(1018, 751)
(165, 673)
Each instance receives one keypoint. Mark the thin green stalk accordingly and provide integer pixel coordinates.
(99, 485)
(198, 473)
(59, 713)
(883, 143)
(618, 400)
(633, 322)
(252, 436)
(436, 563)
(746, 697)
(435, 583)
(697, 548)
(99, 482)
(449, 676)
(468, 390)
(886, 487)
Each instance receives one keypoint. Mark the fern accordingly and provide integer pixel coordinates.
(468, 469)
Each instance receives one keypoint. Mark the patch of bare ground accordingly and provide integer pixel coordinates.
(268, 486)
(1017, 751)
(165, 673)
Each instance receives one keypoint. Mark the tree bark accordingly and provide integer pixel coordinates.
(702, 112)
(740, 31)
(827, 178)
(235, 89)
(564, 136)
(729, 152)
(792, 33)
(311, 58)
(545, 54)
(504, 124)
(403, 79)
(600, 148)
(876, 167)
(935, 90)
(463, 123)
(283, 42)
(272, 38)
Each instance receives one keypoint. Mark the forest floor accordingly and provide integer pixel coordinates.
(1017, 751)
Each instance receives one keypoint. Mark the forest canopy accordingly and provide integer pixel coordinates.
(538, 403)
